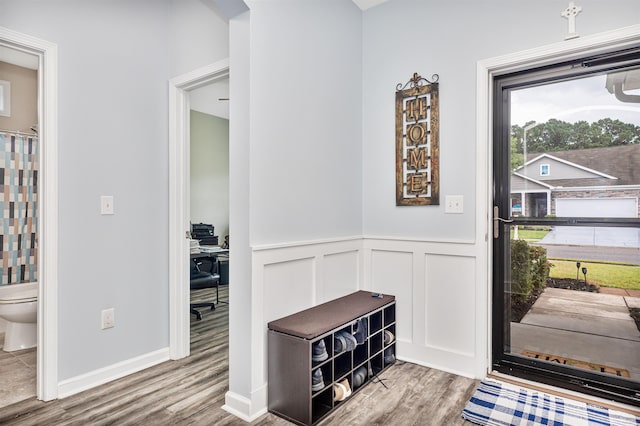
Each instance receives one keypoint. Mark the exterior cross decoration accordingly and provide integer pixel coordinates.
(570, 13)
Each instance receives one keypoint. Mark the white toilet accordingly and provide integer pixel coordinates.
(18, 307)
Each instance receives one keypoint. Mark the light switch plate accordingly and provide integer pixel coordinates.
(454, 204)
(106, 204)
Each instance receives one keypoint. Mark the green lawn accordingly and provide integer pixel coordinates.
(602, 274)
(531, 235)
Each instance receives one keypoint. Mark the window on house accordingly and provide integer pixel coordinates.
(544, 170)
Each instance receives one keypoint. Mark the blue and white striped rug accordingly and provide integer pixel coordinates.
(499, 404)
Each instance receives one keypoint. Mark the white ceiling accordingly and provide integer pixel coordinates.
(16, 57)
(366, 4)
(207, 99)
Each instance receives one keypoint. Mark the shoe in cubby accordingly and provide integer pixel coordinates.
(359, 377)
(388, 337)
(317, 381)
(389, 355)
(319, 351)
(361, 332)
(341, 390)
(343, 341)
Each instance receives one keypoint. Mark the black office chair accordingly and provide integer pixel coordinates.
(201, 280)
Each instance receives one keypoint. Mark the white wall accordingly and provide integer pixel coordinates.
(198, 35)
(306, 103)
(112, 113)
(209, 189)
(240, 314)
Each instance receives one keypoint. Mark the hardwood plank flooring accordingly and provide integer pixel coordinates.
(191, 392)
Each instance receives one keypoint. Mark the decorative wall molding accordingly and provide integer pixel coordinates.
(435, 283)
(260, 247)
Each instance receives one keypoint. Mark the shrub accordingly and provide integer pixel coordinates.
(539, 266)
(529, 268)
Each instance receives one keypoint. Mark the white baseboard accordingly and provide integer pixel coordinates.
(107, 374)
(241, 407)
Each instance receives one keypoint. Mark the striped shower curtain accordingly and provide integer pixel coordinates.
(19, 206)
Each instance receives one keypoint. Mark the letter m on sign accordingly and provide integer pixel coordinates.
(417, 158)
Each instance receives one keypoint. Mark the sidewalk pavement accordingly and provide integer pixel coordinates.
(590, 327)
(620, 292)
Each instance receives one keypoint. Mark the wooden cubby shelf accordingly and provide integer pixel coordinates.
(291, 341)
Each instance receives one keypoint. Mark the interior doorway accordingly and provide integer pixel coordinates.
(47, 251)
(180, 89)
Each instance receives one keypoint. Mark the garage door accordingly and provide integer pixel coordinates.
(597, 207)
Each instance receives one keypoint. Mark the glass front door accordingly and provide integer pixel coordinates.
(566, 304)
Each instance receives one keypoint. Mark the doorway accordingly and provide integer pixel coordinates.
(179, 199)
(568, 132)
(47, 252)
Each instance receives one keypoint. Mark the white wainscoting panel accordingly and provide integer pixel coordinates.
(392, 273)
(450, 303)
(340, 275)
(288, 287)
(435, 285)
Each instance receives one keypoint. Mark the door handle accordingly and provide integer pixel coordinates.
(496, 221)
(187, 235)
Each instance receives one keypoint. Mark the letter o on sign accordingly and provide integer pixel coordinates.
(416, 133)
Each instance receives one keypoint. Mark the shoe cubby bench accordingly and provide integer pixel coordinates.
(296, 354)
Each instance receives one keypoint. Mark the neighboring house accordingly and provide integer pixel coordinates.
(596, 182)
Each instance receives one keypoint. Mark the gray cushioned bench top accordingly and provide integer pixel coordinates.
(320, 319)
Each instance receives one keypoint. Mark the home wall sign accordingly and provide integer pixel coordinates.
(417, 151)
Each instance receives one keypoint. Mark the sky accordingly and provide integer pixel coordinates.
(583, 99)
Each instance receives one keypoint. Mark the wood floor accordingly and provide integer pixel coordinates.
(191, 392)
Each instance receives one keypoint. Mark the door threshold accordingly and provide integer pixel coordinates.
(564, 393)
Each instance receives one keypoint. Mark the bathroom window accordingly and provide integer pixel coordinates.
(5, 98)
(545, 170)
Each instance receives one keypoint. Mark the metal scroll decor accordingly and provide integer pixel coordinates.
(417, 151)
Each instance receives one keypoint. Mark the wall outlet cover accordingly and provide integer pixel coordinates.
(108, 318)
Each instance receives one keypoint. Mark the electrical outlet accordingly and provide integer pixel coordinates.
(106, 204)
(108, 318)
(454, 204)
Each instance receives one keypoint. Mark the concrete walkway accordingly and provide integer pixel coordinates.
(590, 327)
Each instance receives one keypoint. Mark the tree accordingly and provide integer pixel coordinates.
(557, 135)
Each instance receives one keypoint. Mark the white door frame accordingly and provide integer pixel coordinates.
(486, 70)
(47, 353)
(179, 88)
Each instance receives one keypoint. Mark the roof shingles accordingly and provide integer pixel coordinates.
(622, 162)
